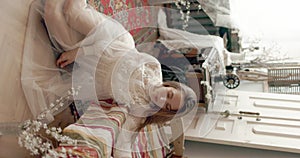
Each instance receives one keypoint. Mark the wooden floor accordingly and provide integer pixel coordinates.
(13, 17)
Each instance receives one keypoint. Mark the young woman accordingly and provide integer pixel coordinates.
(131, 78)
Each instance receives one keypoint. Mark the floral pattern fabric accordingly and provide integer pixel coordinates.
(132, 19)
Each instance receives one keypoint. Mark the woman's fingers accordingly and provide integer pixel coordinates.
(66, 58)
(62, 59)
(59, 61)
(65, 63)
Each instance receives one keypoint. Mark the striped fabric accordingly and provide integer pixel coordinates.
(99, 126)
(151, 143)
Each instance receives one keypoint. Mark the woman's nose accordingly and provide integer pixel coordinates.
(161, 100)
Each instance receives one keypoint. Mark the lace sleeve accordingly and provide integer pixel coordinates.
(154, 69)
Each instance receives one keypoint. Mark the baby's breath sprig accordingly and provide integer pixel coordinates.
(186, 5)
(32, 140)
(185, 16)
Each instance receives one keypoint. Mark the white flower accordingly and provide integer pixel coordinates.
(63, 150)
(30, 139)
(35, 151)
(20, 141)
(52, 105)
(48, 131)
(45, 126)
(47, 145)
(70, 151)
(53, 129)
(59, 130)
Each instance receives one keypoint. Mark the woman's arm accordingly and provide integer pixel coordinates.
(69, 57)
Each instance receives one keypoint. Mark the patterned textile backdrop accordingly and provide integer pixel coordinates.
(132, 19)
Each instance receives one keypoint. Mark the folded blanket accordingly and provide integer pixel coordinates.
(98, 128)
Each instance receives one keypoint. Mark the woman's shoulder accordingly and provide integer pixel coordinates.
(149, 58)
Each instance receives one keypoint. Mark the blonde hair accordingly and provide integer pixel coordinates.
(162, 116)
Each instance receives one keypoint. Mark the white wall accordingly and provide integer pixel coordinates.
(271, 21)
(251, 86)
(208, 150)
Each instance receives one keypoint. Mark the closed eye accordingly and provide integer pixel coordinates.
(170, 94)
(168, 107)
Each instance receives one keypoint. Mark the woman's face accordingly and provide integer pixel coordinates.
(167, 98)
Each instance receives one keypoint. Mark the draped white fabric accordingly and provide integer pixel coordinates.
(103, 45)
(214, 65)
(219, 11)
(40, 77)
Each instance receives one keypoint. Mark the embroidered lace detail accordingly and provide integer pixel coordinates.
(131, 78)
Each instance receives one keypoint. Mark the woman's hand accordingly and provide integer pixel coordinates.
(67, 58)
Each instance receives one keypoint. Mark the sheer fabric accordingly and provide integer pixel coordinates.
(215, 60)
(105, 46)
(43, 83)
(219, 11)
(177, 39)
